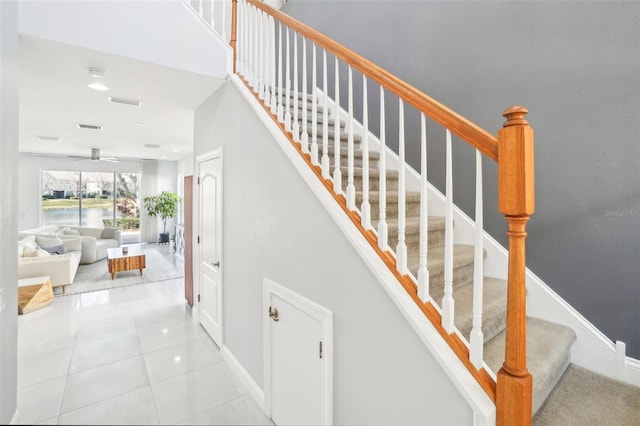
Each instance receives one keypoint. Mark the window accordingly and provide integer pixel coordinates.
(96, 199)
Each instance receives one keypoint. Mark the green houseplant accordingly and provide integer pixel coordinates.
(164, 206)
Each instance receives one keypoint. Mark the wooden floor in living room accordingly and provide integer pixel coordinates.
(129, 355)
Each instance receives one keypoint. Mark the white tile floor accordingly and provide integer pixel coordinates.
(125, 356)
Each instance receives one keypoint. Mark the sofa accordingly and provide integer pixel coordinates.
(58, 250)
(53, 256)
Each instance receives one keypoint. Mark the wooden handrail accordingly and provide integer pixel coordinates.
(465, 129)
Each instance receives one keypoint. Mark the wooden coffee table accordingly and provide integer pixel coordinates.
(119, 261)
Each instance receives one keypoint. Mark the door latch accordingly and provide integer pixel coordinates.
(273, 313)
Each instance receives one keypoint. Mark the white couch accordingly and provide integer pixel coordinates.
(95, 241)
(60, 265)
(39, 252)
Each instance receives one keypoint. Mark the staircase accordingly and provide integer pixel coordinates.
(549, 344)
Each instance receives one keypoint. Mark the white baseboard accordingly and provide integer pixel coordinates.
(243, 376)
(14, 419)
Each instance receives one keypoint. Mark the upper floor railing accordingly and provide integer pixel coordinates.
(288, 66)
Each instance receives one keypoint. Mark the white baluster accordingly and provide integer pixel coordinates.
(365, 207)
(224, 20)
(351, 189)
(273, 58)
(325, 119)
(447, 300)
(239, 38)
(383, 229)
(304, 137)
(280, 108)
(423, 271)
(337, 174)
(314, 110)
(266, 72)
(477, 337)
(401, 248)
(200, 9)
(247, 68)
(287, 90)
(296, 125)
(261, 56)
(255, 49)
(213, 21)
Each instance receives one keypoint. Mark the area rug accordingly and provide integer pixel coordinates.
(96, 276)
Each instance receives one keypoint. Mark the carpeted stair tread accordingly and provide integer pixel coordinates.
(494, 307)
(583, 397)
(548, 350)
(320, 120)
(344, 152)
(412, 231)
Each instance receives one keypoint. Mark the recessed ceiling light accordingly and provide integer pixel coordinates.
(175, 150)
(151, 145)
(97, 86)
(48, 138)
(138, 123)
(133, 102)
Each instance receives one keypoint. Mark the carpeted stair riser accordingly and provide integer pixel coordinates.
(344, 156)
(412, 232)
(344, 137)
(374, 179)
(412, 204)
(548, 349)
(462, 268)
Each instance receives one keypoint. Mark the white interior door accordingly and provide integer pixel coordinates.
(299, 358)
(210, 247)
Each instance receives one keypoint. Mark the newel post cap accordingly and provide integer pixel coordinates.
(515, 116)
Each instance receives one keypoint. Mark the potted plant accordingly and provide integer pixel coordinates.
(164, 206)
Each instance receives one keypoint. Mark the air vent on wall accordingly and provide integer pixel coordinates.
(89, 126)
(133, 102)
(48, 138)
(151, 145)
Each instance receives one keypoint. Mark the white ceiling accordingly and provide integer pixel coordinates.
(54, 97)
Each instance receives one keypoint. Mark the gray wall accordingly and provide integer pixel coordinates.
(274, 227)
(8, 218)
(576, 67)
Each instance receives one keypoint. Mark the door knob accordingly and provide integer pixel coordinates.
(273, 313)
(216, 264)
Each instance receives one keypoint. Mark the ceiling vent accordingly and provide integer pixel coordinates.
(89, 126)
(48, 138)
(151, 145)
(132, 102)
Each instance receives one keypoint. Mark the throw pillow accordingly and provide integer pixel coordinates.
(30, 242)
(71, 243)
(109, 233)
(55, 249)
(48, 242)
(36, 253)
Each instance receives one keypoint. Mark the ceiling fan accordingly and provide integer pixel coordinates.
(95, 156)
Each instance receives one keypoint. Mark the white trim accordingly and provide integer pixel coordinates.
(323, 315)
(16, 416)
(243, 376)
(481, 404)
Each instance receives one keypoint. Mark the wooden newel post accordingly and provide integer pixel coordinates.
(516, 202)
(234, 31)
